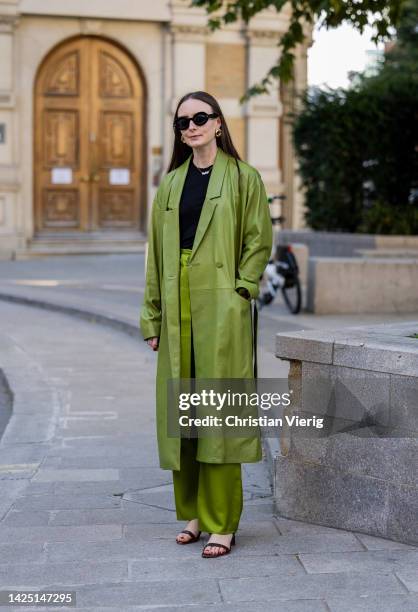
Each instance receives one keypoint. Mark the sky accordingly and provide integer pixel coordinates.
(336, 52)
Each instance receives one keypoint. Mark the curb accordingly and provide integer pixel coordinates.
(93, 316)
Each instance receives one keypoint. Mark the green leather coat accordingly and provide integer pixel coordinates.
(231, 249)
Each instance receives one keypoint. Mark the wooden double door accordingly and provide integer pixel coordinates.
(88, 139)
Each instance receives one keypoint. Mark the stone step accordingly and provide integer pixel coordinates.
(59, 245)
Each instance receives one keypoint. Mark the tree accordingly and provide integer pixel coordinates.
(358, 148)
(381, 15)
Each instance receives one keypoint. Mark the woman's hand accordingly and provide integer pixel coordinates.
(244, 293)
(153, 342)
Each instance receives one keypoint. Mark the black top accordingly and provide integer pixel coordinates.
(192, 198)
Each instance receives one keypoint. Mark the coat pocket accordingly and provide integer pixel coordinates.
(241, 298)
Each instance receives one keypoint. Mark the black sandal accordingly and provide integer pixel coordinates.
(194, 537)
(219, 554)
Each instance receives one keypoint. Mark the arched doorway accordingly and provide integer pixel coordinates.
(89, 144)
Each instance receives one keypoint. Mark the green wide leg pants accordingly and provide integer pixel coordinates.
(210, 492)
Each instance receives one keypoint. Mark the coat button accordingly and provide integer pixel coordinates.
(219, 264)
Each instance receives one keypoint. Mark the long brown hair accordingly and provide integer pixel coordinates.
(181, 150)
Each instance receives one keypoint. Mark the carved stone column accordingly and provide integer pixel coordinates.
(188, 56)
(9, 182)
(184, 70)
(263, 111)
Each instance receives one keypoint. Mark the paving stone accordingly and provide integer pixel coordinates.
(66, 502)
(374, 543)
(38, 575)
(147, 481)
(150, 593)
(63, 475)
(373, 562)
(39, 488)
(163, 497)
(262, 528)
(68, 427)
(136, 460)
(160, 551)
(290, 526)
(23, 453)
(135, 513)
(258, 510)
(253, 606)
(85, 533)
(233, 565)
(24, 428)
(24, 519)
(16, 552)
(10, 490)
(409, 577)
(296, 544)
(376, 603)
(319, 586)
(29, 379)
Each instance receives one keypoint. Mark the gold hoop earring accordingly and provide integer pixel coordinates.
(218, 132)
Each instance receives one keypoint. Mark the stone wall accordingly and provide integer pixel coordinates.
(362, 475)
(338, 285)
(342, 244)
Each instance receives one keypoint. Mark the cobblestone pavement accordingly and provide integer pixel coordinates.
(84, 505)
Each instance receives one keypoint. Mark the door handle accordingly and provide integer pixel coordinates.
(94, 178)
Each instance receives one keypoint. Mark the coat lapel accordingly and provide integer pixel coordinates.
(172, 236)
(213, 191)
(177, 185)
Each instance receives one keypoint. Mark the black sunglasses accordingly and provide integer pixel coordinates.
(182, 123)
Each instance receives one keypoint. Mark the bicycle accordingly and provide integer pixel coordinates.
(282, 272)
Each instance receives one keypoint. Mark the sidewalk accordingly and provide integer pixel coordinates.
(85, 506)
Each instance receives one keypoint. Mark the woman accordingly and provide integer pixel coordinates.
(210, 238)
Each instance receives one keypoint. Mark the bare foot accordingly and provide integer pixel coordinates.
(219, 538)
(192, 526)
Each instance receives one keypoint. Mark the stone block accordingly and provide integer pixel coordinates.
(377, 285)
(377, 356)
(402, 523)
(326, 496)
(317, 346)
(404, 403)
(388, 459)
(301, 252)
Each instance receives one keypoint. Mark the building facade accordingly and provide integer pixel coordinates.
(87, 96)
